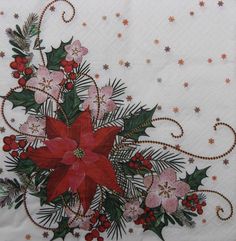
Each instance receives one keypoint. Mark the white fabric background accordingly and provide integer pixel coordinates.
(208, 34)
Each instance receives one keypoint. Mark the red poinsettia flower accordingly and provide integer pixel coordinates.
(79, 158)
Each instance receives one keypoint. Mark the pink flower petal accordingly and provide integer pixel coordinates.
(168, 175)
(69, 57)
(110, 105)
(181, 188)
(92, 91)
(43, 72)
(78, 59)
(84, 50)
(152, 200)
(33, 82)
(76, 44)
(148, 181)
(40, 97)
(57, 77)
(68, 48)
(107, 91)
(170, 204)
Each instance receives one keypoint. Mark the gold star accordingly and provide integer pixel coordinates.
(2, 129)
(16, 15)
(171, 19)
(197, 109)
(186, 84)
(181, 62)
(96, 76)
(227, 80)
(201, 3)
(191, 160)
(52, 8)
(223, 56)
(119, 35)
(104, 18)
(211, 141)
(191, 13)
(167, 49)
(127, 64)
(125, 22)
(2, 54)
(117, 15)
(156, 41)
(176, 110)
(105, 66)
(226, 162)
(220, 3)
(28, 237)
(148, 61)
(129, 98)
(209, 60)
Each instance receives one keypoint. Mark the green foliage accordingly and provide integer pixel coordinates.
(157, 228)
(195, 179)
(132, 172)
(118, 90)
(70, 106)
(56, 55)
(25, 166)
(136, 125)
(24, 98)
(62, 230)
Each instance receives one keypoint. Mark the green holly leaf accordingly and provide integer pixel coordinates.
(195, 179)
(70, 106)
(25, 166)
(157, 228)
(62, 230)
(24, 98)
(136, 125)
(56, 55)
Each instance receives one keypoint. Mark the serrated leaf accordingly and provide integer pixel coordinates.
(24, 98)
(62, 230)
(70, 106)
(136, 125)
(157, 229)
(195, 179)
(56, 55)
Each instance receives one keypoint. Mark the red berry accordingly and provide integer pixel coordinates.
(13, 65)
(18, 59)
(88, 237)
(22, 143)
(200, 211)
(72, 76)
(16, 74)
(68, 68)
(193, 209)
(103, 218)
(195, 196)
(151, 213)
(14, 154)
(75, 65)
(96, 213)
(188, 205)
(24, 60)
(131, 164)
(153, 219)
(70, 63)
(14, 145)
(199, 206)
(6, 148)
(138, 155)
(203, 203)
(22, 82)
(189, 198)
(93, 220)
(69, 86)
(23, 155)
(148, 220)
(13, 137)
(30, 148)
(141, 158)
(107, 224)
(7, 140)
(28, 71)
(149, 166)
(184, 202)
(95, 233)
(101, 229)
(21, 67)
(142, 221)
(147, 209)
(63, 63)
(100, 239)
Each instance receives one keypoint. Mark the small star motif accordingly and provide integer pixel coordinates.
(12, 120)
(105, 66)
(52, 8)
(176, 110)
(45, 234)
(127, 64)
(148, 61)
(125, 22)
(104, 18)
(159, 80)
(191, 13)
(204, 221)
(177, 146)
(214, 178)
(129, 98)
(131, 230)
(201, 3)
(171, 19)
(197, 109)
(2, 129)
(181, 62)
(164, 147)
(156, 41)
(186, 84)
(227, 80)
(76, 234)
(220, 3)
(211, 141)
(191, 160)
(223, 56)
(2, 54)
(84, 24)
(167, 49)
(1, 13)
(209, 60)
(117, 15)
(217, 119)
(159, 107)
(96, 76)
(226, 162)
(119, 35)
(28, 237)
(16, 15)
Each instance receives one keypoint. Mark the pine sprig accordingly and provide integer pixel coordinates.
(118, 90)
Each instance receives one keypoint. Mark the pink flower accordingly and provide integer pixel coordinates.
(47, 81)
(133, 210)
(81, 222)
(164, 190)
(33, 126)
(106, 103)
(75, 51)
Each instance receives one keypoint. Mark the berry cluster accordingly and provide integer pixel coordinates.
(22, 71)
(14, 147)
(139, 162)
(194, 203)
(146, 218)
(101, 223)
(69, 69)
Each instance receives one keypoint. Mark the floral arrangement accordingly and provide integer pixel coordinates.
(79, 153)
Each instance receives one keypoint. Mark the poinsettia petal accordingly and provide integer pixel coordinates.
(102, 173)
(153, 200)
(44, 158)
(104, 139)
(58, 183)
(87, 190)
(55, 128)
(181, 188)
(82, 130)
(60, 146)
(170, 204)
(69, 158)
